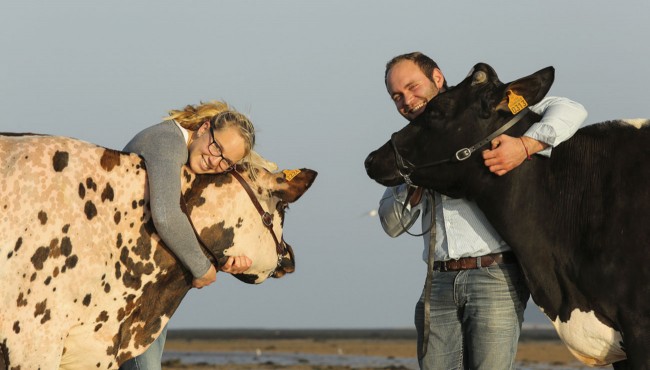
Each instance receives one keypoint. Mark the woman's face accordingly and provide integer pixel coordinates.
(208, 154)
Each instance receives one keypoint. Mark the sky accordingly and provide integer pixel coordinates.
(310, 76)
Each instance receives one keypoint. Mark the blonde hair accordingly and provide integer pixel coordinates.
(221, 116)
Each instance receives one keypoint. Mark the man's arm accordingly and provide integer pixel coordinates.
(561, 118)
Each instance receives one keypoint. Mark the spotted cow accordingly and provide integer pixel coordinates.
(86, 281)
(577, 221)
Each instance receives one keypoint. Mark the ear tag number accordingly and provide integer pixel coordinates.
(290, 174)
(516, 102)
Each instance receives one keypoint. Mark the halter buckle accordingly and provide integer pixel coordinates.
(463, 154)
(267, 219)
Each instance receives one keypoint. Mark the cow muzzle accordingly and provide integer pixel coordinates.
(381, 166)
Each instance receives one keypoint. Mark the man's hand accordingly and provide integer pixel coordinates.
(207, 279)
(236, 264)
(509, 152)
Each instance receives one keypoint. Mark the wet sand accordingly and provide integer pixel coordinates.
(533, 349)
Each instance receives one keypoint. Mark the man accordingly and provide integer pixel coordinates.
(477, 306)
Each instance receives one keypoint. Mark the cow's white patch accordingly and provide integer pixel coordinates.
(591, 341)
(636, 122)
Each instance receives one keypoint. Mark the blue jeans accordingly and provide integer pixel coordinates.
(476, 318)
(151, 358)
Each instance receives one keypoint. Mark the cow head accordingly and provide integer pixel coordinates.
(425, 151)
(220, 197)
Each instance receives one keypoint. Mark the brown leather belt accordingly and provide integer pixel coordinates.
(468, 263)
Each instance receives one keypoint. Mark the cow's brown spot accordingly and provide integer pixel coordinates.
(103, 317)
(110, 158)
(55, 250)
(48, 280)
(17, 327)
(131, 281)
(66, 228)
(33, 277)
(42, 217)
(46, 316)
(218, 238)
(66, 246)
(143, 248)
(90, 210)
(60, 161)
(82, 190)
(55, 273)
(107, 287)
(19, 243)
(98, 326)
(116, 217)
(21, 302)
(71, 262)
(107, 193)
(90, 184)
(40, 308)
(39, 257)
(119, 241)
(86, 301)
(118, 270)
(134, 204)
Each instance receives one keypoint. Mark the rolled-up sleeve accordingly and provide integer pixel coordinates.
(561, 118)
(394, 217)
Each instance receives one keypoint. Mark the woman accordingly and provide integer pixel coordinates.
(209, 138)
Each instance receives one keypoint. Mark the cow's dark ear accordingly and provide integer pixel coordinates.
(294, 183)
(526, 91)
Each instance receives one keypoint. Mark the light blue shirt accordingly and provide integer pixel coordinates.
(462, 230)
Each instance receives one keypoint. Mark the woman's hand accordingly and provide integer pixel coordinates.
(236, 264)
(207, 279)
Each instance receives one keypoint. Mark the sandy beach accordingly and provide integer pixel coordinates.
(542, 350)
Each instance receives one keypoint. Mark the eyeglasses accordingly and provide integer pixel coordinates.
(217, 151)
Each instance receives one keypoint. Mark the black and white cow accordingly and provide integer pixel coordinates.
(578, 221)
(85, 281)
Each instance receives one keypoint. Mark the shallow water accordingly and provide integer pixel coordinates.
(288, 359)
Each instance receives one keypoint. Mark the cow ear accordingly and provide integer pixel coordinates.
(526, 91)
(295, 184)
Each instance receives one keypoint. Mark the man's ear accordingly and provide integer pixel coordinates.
(438, 78)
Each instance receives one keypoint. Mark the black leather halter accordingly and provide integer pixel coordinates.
(406, 168)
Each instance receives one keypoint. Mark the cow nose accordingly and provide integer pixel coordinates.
(368, 161)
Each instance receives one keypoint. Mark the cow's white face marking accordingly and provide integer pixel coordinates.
(591, 341)
(636, 122)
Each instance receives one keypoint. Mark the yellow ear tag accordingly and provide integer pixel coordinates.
(516, 102)
(290, 174)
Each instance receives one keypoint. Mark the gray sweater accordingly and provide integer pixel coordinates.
(165, 151)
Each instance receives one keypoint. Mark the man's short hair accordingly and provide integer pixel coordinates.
(426, 64)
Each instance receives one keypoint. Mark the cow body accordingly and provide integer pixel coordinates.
(86, 281)
(577, 221)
